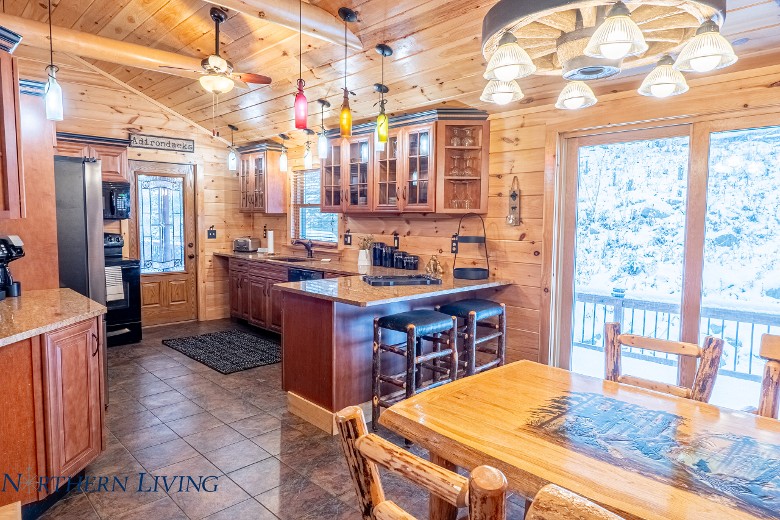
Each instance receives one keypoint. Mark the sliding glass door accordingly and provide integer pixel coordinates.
(676, 235)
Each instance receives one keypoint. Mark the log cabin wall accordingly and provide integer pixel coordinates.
(97, 106)
(518, 146)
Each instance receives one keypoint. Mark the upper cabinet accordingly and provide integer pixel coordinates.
(11, 170)
(263, 187)
(111, 154)
(411, 173)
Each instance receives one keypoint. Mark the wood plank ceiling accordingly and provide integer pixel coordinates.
(437, 59)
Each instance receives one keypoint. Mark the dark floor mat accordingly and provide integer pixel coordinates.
(229, 351)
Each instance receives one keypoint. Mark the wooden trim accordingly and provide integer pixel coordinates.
(315, 414)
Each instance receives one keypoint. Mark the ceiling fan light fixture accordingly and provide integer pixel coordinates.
(501, 92)
(217, 63)
(510, 61)
(617, 37)
(576, 95)
(707, 51)
(664, 81)
(216, 83)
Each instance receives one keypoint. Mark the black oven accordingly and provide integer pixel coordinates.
(123, 294)
(116, 200)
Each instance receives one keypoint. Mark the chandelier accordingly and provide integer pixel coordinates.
(587, 40)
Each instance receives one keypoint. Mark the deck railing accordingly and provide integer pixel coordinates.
(740, 329)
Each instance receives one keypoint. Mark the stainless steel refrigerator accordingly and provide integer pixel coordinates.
(79, 190)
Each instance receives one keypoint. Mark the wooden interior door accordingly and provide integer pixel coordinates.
(164, 229)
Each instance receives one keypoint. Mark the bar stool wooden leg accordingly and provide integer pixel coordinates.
(411, 366)
(471, 343)
(375, 371)
(502, 338)
(453, 340)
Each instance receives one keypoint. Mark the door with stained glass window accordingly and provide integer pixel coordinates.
(166, 245)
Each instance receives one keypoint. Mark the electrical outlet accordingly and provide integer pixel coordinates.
(211, 233)
(454, 244)
(347, 238)
(396, 240)
(265, 230)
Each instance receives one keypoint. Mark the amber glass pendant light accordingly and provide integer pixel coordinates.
(345, 118)
(301, 105)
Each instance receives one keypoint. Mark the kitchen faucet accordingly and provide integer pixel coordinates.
(308, 245)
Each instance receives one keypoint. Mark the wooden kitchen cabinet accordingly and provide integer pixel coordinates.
(12, 200)
(252, 294)
(72, 400)
(263, 187)
(417, 171)
(112, 157)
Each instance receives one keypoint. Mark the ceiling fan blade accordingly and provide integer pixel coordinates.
(257, 79)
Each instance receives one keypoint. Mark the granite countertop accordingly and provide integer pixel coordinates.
(353, 290)
(333, 266)
(37, 312)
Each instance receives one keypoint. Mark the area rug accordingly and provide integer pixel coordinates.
(229, 351)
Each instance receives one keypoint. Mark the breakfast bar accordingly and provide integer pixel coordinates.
(327, 335)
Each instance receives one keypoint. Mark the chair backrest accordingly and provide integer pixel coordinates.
(555, 503)
(769, 402)
(484, 493)
(708, 356)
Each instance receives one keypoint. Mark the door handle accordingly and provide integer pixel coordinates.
(190, 256)
(97, 344)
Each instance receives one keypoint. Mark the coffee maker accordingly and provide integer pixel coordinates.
(11, 248)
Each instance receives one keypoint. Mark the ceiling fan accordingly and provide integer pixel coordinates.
(217, 75)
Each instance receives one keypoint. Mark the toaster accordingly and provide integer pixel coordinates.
(246, 244)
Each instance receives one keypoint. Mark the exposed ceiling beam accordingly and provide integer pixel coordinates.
(317, 22)
(154, 102)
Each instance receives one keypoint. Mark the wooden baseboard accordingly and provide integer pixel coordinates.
(315, 414)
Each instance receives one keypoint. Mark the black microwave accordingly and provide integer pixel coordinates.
(116, 200)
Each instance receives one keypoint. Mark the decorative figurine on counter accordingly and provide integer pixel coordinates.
(513, 218)
(434, 267)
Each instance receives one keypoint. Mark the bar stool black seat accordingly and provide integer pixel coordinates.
(442, 361)
(475, 312)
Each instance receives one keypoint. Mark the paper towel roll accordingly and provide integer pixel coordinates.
(270, 242)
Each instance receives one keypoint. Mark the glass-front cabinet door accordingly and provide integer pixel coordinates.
(387, 186)
(244, 182)
(359, 179)
(331, 178)
(259, 182)
(417, 190)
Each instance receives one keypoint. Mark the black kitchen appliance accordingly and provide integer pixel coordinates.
(11, 248)
(123, 293)
(301, 275)
(116, 200)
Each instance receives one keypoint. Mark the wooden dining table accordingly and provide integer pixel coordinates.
(640, 453)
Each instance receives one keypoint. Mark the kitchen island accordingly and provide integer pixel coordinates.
(327, 336)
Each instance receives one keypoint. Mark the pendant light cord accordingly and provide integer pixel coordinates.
(345, 56)
(51, 42)
(300, 39)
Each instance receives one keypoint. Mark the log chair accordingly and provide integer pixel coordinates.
(708, 356)
(769, 402)
(555, 503)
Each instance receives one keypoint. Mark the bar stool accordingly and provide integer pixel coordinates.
(474, 312)
(419, 325)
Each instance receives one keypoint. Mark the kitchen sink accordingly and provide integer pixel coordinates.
(290, 259)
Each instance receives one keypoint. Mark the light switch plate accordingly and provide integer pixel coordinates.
(211, 234)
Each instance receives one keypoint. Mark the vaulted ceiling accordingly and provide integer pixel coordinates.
(437, 59)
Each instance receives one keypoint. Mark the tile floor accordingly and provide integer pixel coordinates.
(170, 415)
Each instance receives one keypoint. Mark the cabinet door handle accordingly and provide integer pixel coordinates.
(97, 344)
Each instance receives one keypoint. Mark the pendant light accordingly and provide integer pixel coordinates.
(510, 61)
(308, 155)
(576, 95)
(283, 156)
(322, 141)
(707, 51)
(664, 81)
(53, 92)
(382, 121)
(501, 92)
(617, 37)
(301, 105)
(232, 155)
(345, 118)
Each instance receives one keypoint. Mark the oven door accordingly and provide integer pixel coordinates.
(123, 304)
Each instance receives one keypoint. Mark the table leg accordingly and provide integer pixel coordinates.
(440, 509)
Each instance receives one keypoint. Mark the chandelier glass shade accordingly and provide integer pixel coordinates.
(510, 61)
(216, 83)
(664, 81)
(617, 37)
(322, 146)
(707, 51)
(382, 125)
(501, 92)
(576, 95)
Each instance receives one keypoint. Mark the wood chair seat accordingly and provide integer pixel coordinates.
(708, 357)
(769, 402)
(484, 493)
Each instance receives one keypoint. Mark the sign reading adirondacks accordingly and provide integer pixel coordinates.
(155, 142)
